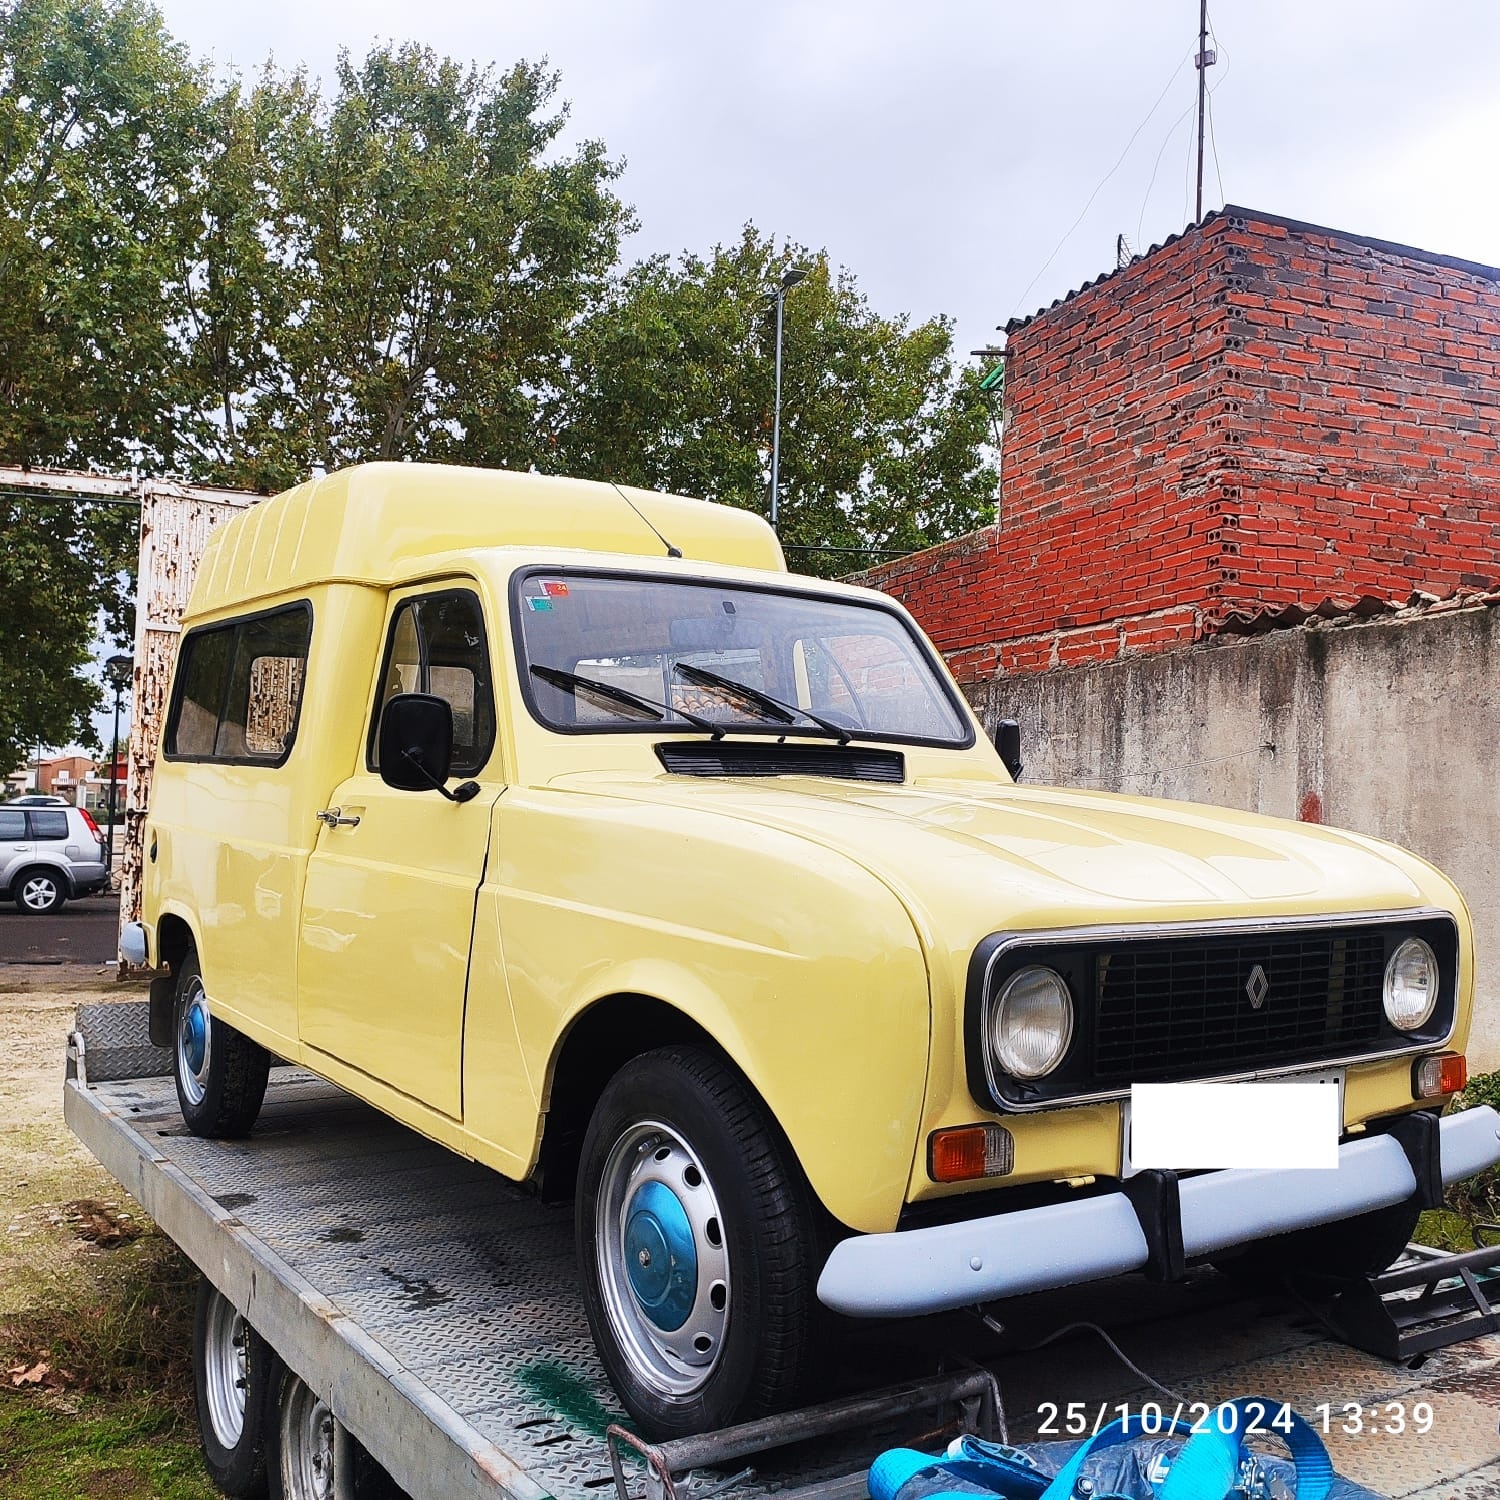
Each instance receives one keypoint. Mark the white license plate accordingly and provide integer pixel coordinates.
(1197, 1126)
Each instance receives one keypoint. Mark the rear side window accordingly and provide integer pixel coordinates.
(51, 824)
(12, 824)
(239, 689)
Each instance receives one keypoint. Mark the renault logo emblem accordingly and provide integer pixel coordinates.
(1256, 986)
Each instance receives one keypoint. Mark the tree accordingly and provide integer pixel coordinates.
(97, 105)
(429, 262)
(671, 385)
(241, 281)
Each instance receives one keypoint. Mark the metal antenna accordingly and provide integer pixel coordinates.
(671, 550)
(1204, 61)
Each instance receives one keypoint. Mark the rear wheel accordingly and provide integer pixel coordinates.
(235, 1380)
(39, 891)
(696, 1245)
(221, 1074)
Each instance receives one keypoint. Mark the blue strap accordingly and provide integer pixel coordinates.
(1209, 1462)
(1116, 1433)
(1309, 1457)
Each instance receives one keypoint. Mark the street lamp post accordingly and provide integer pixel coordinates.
(118, 669)
(787, 282)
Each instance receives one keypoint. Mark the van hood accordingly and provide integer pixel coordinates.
(1045, 855)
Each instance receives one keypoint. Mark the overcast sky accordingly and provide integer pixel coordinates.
(969, 158)
(942, 149)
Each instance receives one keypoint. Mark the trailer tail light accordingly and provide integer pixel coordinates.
(969, 1152)
(1436, 1077)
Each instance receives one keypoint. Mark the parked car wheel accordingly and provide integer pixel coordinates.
(1343, 1251)
(40, 891)
(696, 1243)
(221, 1074)
(236, 1376)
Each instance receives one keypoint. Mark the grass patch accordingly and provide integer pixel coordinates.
(98, 1448)
(96, 1380)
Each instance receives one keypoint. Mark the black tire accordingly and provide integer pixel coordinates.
(682, 1116)
(302, 1450)
(1345, 1250)
(221, 1074)
(39, 891)
(227, 1350)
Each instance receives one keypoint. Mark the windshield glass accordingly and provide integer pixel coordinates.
(745, 660)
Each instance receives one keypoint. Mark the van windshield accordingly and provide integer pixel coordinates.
(613, 652)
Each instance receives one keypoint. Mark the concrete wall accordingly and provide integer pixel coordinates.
(1389, 727)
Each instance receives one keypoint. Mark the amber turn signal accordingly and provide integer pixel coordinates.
(1435, 1077)
(970, 1151)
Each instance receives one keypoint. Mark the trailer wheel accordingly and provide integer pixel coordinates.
(695, 1231)
(221, 1074)
(235, 1380)
(304, 1467)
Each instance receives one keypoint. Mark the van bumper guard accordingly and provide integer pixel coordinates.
(1155, 1223)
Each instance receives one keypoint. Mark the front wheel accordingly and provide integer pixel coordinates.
(221, 1074)
(696, 1244)
(39, 892)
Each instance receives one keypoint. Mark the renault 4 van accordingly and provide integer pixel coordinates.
(559, 821)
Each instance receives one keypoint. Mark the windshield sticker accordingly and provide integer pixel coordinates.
(538, 603)
(555, 590)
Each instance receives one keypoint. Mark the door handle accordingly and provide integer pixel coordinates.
(334, 818)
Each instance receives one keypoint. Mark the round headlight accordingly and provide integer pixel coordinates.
(1411, 985)
(1031, 1023)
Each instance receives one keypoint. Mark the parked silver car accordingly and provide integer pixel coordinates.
(47, 855)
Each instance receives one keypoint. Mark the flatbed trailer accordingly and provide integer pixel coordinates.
(430, 1304)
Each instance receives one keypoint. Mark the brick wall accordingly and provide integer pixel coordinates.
(1258, 416)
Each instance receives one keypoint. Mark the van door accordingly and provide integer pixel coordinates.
(388, 911)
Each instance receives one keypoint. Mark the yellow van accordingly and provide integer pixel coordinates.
(559, 821)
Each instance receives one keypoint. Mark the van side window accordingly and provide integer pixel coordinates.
(437, 645)
(239, 689)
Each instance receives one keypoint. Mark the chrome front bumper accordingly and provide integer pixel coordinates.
(1006, 1255)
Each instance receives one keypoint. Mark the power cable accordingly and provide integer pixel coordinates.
(1156, 167)
(1100, 187)
(1118, 1352)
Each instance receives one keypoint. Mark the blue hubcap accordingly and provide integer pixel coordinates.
(660, 1257)
(196, 1038)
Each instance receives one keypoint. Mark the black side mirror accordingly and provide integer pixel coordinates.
(416, 742)
(1007, 742)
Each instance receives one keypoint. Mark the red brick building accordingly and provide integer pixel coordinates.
(1256, 420)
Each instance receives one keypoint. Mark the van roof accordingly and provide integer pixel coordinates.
(371, 523)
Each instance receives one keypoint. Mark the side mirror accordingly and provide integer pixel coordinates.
(1007, 742)
(416, 742)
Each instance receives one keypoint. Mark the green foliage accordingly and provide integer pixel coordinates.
(238, 280)
(671, 386)
(392, 273)
(1483, 1088)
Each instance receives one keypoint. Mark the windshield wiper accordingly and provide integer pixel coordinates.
(618, 697)
(769, 707)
